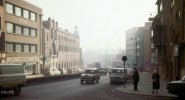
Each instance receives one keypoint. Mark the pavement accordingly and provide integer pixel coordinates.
(145, 87)
(34, 76)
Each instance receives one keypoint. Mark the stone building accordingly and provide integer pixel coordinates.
(63, 48)
(21, 24)
(169, 39)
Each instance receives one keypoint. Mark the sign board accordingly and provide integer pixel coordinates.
(124, 58)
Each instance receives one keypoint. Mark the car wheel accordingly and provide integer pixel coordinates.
(81, 82)
(17, 90)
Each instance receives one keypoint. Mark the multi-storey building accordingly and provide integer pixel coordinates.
(143, 47)
(169, 38)
(63, 48)
(131, 43)
(21, 24)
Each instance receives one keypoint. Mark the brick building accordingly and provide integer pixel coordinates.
(169, 39)
(21, 24)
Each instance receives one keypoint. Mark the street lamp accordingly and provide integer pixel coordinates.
(135, 50)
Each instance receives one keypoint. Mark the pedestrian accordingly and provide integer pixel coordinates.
(135, 78)
(156, 82)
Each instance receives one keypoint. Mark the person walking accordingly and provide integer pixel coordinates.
(156, 82)
(135, 78)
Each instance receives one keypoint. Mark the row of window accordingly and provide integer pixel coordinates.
(18, 47)
(70, 49)
(18, 29)
(69, 64)
(21, 12)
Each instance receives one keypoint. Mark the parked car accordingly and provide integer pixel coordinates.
(12, 77)
(177, 87)
(90, 75)
(118, 75)
(129, 73)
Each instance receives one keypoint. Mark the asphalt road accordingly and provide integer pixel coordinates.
(73, 90)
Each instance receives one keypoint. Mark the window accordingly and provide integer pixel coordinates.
(26, 14)
(33, 48)
(178, 14)
(26, 48)
(161, 7)
(33, 16)
(9, 27)
(9, 47)
(18, 11)
(9, 8)
(18, 29)
(18, 48)
(33, 32)
(172, 3)
(26, 31)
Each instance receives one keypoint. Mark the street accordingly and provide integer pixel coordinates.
(73, 90)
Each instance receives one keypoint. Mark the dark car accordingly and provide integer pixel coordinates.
(177, 87)
(90, 75)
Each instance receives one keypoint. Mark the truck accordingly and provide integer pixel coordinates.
(12, 77)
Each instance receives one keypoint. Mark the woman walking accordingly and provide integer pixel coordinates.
(156, 82)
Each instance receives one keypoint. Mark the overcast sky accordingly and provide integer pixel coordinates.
(101, 23)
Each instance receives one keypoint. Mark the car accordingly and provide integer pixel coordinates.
(90, 75)
(118, 75)
(12, 77)
(177, 87)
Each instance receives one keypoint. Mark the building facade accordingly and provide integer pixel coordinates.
(169, 39)
(21, 24)
(131, 43)
(62, 48)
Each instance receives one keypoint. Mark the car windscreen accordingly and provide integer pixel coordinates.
(116, 71)
(89, 71)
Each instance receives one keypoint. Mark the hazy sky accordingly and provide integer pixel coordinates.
(101, 23)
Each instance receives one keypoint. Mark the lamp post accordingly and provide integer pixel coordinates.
(135, 50)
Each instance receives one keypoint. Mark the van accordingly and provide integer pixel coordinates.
(12, 77)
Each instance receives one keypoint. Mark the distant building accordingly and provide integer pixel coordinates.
(21, 27)
(143, 47)
(62, 48)
(138, 49)
(130, 46)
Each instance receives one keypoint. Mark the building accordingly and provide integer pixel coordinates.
(138, 47)
(21, 24)
(143, 47)
(62, 48)
(169, 39)
(130, 46)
